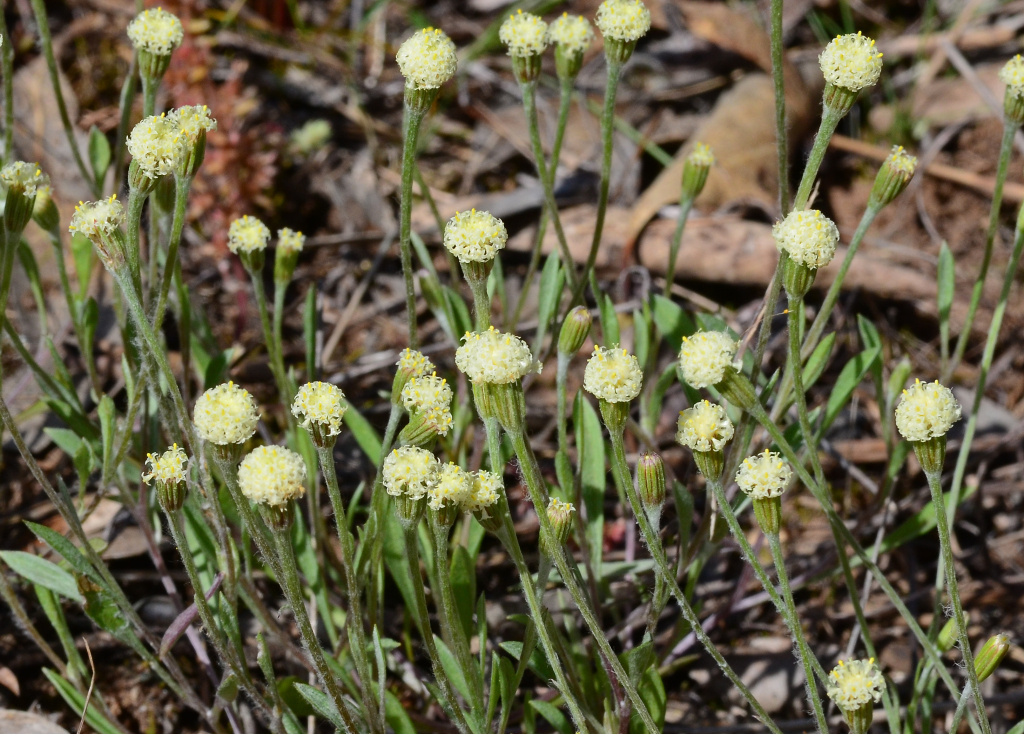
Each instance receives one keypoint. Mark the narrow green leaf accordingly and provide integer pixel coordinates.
(538, 660)
(99, 154)
(463, 322)
(35, 282)
(76, 701)
(319, 701)
(946, 288)
(43, 572)
(364, 433)
(672, 321)
(66, 549)
(310, 319)
(395, 560)
(590, 445)
(395, 716)
(818, 359)
(920, 523)
(552, 280)
(641, 337)
(452, 669)
(463, 575)
(216, 369)
(553, 716)
(81, 253)
(609, 322)
(853, 372)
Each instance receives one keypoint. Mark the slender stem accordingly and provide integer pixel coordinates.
(181, 187)
(1005, 149)
(136, 200)
(250, 520)
(354, 619)
(276, 362)
(450, 702)
(561, 383)
(961, 709)
(127, 98)
(942, 523)
(778, 80)
(806, 656)
(411, 120)
(379, 501)
(7, 64)
(293, 590)
(481, 302)
(149, 87)
(685, 204)
(653, 541)
(829, 120)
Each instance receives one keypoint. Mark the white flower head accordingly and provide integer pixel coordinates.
(248, 234)
(430, 396)
(927, 410)
(525, 34)
(414, 363)
(702, 156)
(704, 427)
(322, 404)
(166, 468)
(156, 31)
(494, 357)
(623, 20)
(225, 415)
(572, 33)
(851, 62)
(157, 145)
(704, 357)
(411, 471)
(26, 177)
(272, 475)
(427, 59)
(485, 491)
(194, 120)
(613, 375)
(452, 487)
(901, 161)
(290, 241)
(764, 475)
(475, 236)
(1012, 75)
(97, 219)
(855, 683)
(808, 236)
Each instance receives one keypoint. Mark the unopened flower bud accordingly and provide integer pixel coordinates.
(695, 170)
(892, 178)
(289, 245)
(44, 211)
(948, 636)
(1012, 75)
(650, 482)
(560, 516)
(574, 332)
(990, 655)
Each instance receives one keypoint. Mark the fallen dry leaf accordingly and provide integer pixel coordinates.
(9, 680)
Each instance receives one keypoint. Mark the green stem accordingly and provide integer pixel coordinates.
(181, 187)
(125, 104)
(829, 120)
(411, 120)
(561, 383)
(1005, 149)
(374, 538)
(276, 362)
(778, 80)
(481, 302)
(136, 200)
(961, 709)
(685, 204)
(149, 87)
(7, 64)
(806, 656)
(354, 619)
(293, 590)
(250, 520)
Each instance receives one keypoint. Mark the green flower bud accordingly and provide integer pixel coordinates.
(991, 654)
(892, 178)
(695, 170)
(949, 635)
(574, 332)
(650, 481)
(560, 516)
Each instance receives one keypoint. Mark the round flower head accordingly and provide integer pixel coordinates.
(166, 468)
(704, 427)
(247, 234)
(701, 155)
(427, 59)
(194, 121)
(97, 219)
(414, 363)
(623, 20)
(410, 471)
(430, 396)
(764, 475)
(855, 683)
(24, 177)
(927, 410)
(493, 357)
(613, 375)
(156, 31)
(525, 34)
(452, 487)
(1012, 75)
(704, 356)
(808, 236)
(290, 240)
(851, 62)
(484, 492)
(272, 475)
(475, 236)
(572, 33)
(322, 404)
(157, 145)
(225, 414)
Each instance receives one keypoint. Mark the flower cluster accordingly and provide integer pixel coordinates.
(24, 177)
(613, 375)
(290, 241)
(193, 121)
(248, 234)
(320, 405)
(430, 396)
(494, 357)
(927, 410)
(156, 31)
(851, 62)
(157, 145)
(764, 476)
(475, 236)
(855, 683)
(525, 34)
(1012, 75)
(704, 427)
(225, 415)
(97, 219)
(571, 33)
(427, 59)
(809, 237)
(623, 20)
(704, 357)
(410, 471)
(414, 363)
(486, 491)
(166, 468)
(451, 488)
(272, 475)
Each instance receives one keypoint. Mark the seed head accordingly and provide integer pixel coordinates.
(764, 475)
(225, 415)
(427, 59)
(704, 357)
(851, 62)
(613, 375)
(927, 410)
(808, 236)
(560, 515)
(704, 427)
(272, 475)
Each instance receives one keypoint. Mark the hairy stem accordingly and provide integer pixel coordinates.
(778, 80)
(685, 204)
(411, 121)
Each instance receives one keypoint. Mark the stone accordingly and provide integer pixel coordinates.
(22, 722)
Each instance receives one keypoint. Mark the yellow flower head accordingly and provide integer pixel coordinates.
(704, 427)
(701, 156)
(97, 219)
(475, 236)
(156, 31)
(24, 177)
(494, 357)
(808, 236)
(851, 62)
(320, 403)
(427, 59)
(572, 33)
(452, 487)
(927, 410)
(290, 241)
(525, 34)
(704, 356)
(166, 468)
(430, 396)
(855, 683)
(194, 121)
(248, 234)
(225, 414)
(613, 375)
(623, 20)
(764, 475)
(1012, 75)
(272, 475)
(411, 471)
(901, 161)
(485, 491)
(414, 363)
(157, 145)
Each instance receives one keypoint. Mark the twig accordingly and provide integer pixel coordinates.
(92, 682)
